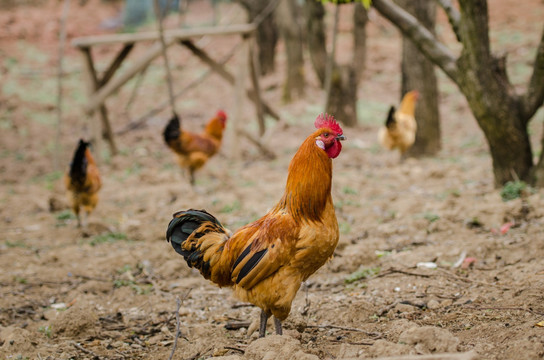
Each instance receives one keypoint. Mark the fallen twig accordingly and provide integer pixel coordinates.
(472, 281)
(352, 342)
(86, 351)
(372, 334)
(237, 325)
(504, 308)
(235, 349)
(241, 305)
(178, 331)
(399, 271)
(85, 277)
(386, 309)
(199, 354)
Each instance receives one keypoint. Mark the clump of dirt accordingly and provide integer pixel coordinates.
(277, 347)
(17, 342)
(77, 321)
(429, 339)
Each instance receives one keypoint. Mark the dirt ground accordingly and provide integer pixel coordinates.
(112, 293)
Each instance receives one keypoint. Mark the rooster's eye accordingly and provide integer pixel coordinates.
(326, 134)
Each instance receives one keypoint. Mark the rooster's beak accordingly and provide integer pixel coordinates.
(340, 137)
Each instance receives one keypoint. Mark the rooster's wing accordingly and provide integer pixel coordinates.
(269, 245)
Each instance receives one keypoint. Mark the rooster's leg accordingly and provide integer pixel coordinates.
(192, 177)
(277, 322)
(264, 319)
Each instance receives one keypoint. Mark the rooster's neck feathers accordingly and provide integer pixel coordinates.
(308, 182)
(215, 128)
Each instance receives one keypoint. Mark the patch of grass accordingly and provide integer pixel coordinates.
(344, 227)
(349, 191)
(361, 274)
(248, 183)
(15, 244)
(382, 253)
(49, 179)
(133, 169)
(341, 203)
(471, 142)
(375, 149)
(139, 289)
(372, 112)
(431, 217)
(46, 330)
(5, 124)
(107, 238)
(124, 269)
(228, 208)
(20, 280)
(513, 190)
(65, 215)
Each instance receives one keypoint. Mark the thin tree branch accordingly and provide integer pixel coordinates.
(264, 150)
(454, 17)
(160, 16)
(534, 97)
(62, 42)
(426, 42)
(474, 31)
(178, 331)
(142, 119)
(266, 12)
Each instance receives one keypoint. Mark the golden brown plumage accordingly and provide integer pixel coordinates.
(83, 182)
(193, 150)
(399, 131)
(266, 261)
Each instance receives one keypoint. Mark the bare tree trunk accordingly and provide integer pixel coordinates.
(291, 33)
(344, 79)
(342, 102)
(267, 33)
(538, 170)
(484, 82)
(360, 19)
(315, 32)
(418, 73)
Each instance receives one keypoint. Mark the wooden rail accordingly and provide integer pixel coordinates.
(176, 34)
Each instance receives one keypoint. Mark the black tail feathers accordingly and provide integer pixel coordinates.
(390, 122)
(182, 226)
(78, 167)
(172, 129)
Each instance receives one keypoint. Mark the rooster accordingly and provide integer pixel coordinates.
(194, 150)
(400, 127)
(83, 182)
(267, 260)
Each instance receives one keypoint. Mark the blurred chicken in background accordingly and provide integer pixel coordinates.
(83, 182)
(194, 150)
(399, 131)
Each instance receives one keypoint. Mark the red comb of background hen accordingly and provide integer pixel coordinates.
(221, 114)
(328, 121)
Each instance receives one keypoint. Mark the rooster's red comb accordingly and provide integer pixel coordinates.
(328, 121)
(221, 114)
